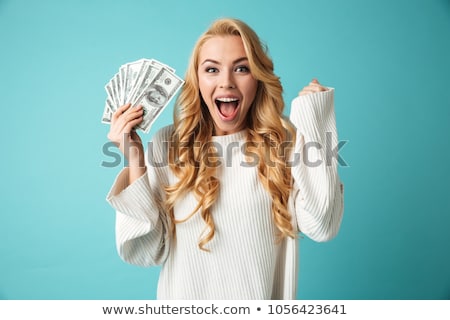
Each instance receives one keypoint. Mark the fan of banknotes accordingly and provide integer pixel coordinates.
(145, 82)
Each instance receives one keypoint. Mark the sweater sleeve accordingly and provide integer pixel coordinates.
(317, 190)
(141, 223)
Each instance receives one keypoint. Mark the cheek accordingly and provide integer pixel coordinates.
(206, 87)
(203, 86)
(251, 90)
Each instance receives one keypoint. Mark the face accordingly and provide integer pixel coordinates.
(156, 97)
(226, 83)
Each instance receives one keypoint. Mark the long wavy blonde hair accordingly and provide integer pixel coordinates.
(267, 132)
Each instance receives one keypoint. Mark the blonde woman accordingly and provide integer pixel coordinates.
(220, 196)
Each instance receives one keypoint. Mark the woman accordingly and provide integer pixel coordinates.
(222, 217)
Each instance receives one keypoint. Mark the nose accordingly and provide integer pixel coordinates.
(227, 80)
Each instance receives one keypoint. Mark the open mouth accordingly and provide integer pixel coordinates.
(227, 107)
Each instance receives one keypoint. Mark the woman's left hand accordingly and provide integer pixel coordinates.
(313, 87)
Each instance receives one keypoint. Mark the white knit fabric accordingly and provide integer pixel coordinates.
(244, 261)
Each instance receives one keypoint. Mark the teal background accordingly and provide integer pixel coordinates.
(388, 60)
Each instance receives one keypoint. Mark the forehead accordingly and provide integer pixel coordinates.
(222, 49)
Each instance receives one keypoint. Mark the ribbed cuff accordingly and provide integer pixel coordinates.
(312, 111)
(134, 200)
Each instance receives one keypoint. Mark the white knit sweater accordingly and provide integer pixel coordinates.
(244, 261)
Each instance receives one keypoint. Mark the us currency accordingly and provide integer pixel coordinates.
(157, 95)
(149, 68)
(110, 93)
(147, 82)
(145, 77)
(115, 96)
(132, 72)
(107, 113)
(159, 65)
(117, 88)
(123, 78)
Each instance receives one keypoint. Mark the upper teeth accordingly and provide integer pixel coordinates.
(227, 99)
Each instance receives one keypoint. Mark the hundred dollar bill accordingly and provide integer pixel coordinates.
(107, 113)
(159, 65)
(146, 76)
(132, 72)
(117, 89)
(122, 78)
(109, 87)
(148, 72)
(157, 95)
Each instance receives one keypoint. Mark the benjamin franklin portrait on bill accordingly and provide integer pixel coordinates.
(156, 96)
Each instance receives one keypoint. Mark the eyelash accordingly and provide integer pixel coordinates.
(245, 69)
(240, 69)
(211, 70)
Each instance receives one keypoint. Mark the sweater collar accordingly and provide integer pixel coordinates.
(233, 137)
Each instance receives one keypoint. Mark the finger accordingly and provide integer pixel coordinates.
(306, 91)
(315, 84)
(131, 124)
(320, 88)
(127, 118)
(121, 110)
(132, 113)
(119, 122)
(316, 87)
(131, 110)
(311, 89)
(129, 114)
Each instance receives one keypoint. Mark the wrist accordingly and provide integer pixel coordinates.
(137, 161)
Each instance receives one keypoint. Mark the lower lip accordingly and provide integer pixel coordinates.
(230, 117)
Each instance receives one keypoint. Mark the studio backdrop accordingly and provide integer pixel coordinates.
(388, 60)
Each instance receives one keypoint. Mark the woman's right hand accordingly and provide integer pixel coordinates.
(121, 133)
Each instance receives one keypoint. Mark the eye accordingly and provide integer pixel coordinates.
(242, 69)
(211, 70)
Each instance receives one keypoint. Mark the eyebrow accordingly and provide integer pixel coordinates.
(217, 62)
